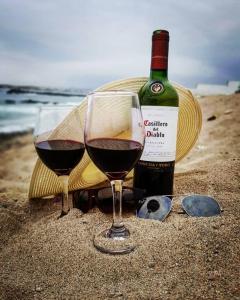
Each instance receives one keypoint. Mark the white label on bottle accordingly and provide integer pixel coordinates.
(161, 133)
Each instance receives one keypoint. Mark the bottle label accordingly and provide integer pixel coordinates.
(161, 133)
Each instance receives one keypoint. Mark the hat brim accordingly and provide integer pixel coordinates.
(44, 182)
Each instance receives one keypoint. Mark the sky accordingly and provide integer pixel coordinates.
(84, 44)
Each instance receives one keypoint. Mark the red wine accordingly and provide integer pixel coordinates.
(114, 157)
(156, 178)
(61, 156)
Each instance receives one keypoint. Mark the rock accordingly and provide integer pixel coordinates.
(216, 226)
(213, 117)
(10, 101)
(151, 264)
(38, 288)
(115, 294)
(213, 275)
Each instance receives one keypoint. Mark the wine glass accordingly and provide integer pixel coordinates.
(58, 140)
(114, 139)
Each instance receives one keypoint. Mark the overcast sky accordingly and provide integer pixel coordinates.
(76, 43)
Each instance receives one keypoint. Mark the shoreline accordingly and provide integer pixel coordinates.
(8, 139)
(9, 135)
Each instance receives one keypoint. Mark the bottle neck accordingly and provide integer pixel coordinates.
(159, 59)
(159, 74)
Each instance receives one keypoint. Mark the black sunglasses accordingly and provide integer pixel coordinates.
(102, 198)
(153, 207)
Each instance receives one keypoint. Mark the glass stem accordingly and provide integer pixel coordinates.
(117, 205)
(65, 201)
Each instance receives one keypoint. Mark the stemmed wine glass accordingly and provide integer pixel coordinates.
(58, 139)
(114, 139)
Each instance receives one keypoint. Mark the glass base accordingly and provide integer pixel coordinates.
(116, 240)
(63, 213)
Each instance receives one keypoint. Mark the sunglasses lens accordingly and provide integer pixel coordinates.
(105, 193)
(155, 207)
(104, 200)
(200, 206)
(82, 201)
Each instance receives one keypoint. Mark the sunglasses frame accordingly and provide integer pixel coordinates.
(93, 198)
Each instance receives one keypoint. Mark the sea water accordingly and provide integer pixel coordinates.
(19, 105)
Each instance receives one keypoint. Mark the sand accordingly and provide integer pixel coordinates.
(42, 257)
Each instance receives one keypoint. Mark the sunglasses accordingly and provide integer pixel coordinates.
(102, 198)
(154, 207)
(159, 207)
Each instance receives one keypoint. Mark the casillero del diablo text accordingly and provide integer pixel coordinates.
(155, 130)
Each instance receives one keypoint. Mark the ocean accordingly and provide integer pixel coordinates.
(19, 105)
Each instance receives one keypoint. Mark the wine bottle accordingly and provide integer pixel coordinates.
(159, 103)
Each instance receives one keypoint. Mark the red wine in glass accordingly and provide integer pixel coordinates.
(114, 139)
(59, 142)
(61, 156)
(114, 157)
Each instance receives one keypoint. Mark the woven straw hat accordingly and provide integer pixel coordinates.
(44, 182)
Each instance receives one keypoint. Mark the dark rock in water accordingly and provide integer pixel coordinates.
(60, 94)
(30, 101)
(19, 90)
(38, 91)
(6, 86)
(50, 91)
(25, 101)
(10, 101)
(213, 117)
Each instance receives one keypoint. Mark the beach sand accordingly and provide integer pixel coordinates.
(183, 257)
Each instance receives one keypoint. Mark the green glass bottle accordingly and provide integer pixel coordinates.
(159, 102)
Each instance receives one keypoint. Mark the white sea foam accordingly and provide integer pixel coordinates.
(18, 111)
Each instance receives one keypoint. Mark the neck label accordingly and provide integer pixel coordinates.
(161, 133)
(157, 87)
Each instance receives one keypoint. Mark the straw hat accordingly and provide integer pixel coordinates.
(44, 182)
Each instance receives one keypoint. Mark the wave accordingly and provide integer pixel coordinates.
(9, 130)
(13, 123)
(18, 110)
(18, 118)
